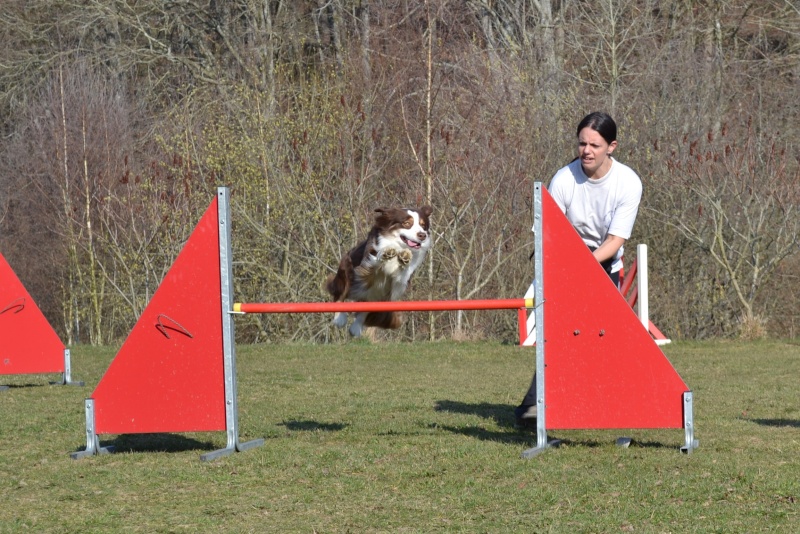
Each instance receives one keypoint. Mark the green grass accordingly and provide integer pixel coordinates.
(411, 438)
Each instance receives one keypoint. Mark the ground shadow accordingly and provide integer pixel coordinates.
(157, 442)
(638, 444)
(4, 387)
(503, 416)
(527, 438)
(524, 438)
(59, 382)
(776, 422)
(314, 426)
(633, 444)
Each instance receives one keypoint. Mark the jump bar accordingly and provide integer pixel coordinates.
(398, 306)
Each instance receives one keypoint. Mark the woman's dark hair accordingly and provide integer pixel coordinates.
(601, 123)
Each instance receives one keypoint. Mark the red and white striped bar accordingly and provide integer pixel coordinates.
(398, 306)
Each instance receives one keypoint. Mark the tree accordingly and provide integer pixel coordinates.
(737, 200)
(317, 111)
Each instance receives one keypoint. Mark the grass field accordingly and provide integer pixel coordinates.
(411, 438)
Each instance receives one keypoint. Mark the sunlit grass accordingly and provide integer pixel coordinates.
(389, 437)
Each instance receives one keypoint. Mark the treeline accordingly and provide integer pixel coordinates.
(119, 119)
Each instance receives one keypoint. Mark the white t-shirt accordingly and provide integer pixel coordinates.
(597, 208)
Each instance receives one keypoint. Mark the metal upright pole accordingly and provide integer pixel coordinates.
(67, 378)
(228, 341)
(541, 406)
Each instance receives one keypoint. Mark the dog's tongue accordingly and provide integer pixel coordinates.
(411, 243)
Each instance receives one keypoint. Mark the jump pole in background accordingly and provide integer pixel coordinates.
(28, 343)
(637, 296)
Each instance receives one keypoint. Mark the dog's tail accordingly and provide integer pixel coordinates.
(338, 285)
(390, 320)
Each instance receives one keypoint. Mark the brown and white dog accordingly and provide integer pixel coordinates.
(380, 267)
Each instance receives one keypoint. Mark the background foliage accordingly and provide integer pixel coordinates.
(120, 118)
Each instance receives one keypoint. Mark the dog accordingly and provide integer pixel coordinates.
(380, 267)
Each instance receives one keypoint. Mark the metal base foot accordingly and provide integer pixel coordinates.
(64, 382)
(690, 443)
(219, 453)
(687, 449)
(98, 451)
(66, 379)
(624, 442)
(240, 447)
(92, 440)
(536, 451)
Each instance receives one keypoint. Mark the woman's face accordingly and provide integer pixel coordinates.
(594, 152)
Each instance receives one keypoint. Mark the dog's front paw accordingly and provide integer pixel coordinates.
(389, 254)
(404, 257)
(339, 319)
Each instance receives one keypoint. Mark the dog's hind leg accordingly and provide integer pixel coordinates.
(389, 320)
(340, 319)
(358, 325)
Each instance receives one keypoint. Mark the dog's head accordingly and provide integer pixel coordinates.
(410, 226)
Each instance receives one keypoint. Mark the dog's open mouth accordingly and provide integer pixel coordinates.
(410, 242)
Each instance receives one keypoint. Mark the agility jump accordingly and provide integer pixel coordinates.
(28, 344)
(596, 366)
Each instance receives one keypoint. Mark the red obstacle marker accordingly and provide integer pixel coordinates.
(28, 344)
(168, 375)
(171, 374)
(602, 370)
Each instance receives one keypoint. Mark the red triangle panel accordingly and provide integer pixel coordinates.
(603, 370)
(169, 374)
(28, 344)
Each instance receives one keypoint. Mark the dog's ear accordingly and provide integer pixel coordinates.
(383, 216)
(425, 214)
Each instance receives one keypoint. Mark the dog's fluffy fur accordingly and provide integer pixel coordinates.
(380, 267)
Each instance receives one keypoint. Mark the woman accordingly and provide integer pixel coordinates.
(600, 198)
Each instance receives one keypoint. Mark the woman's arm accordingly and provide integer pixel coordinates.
(609, 248)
